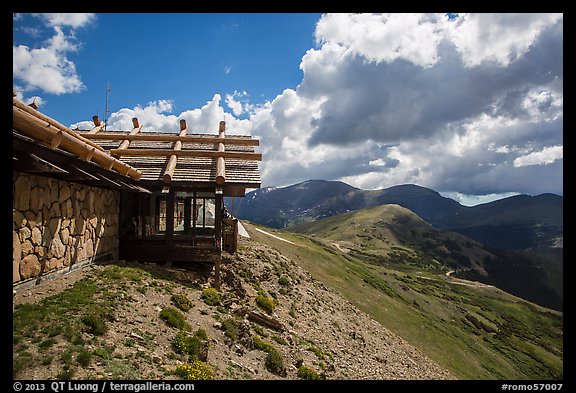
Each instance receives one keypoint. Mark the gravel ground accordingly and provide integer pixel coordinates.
(314, 326)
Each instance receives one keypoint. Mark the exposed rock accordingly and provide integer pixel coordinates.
(93, 220)
(36, 236)
(264, 320)
(64, 236)
(54, 189)
(18, 219)
(64, 193)
(36, 198)
(24, 233)
(16, 253)
(55, 210)
(79, 226)
(21, 197)
(91, 198)
(26, 247)
(29, 266)
(30, 218)
(54, 226)
(57, 248)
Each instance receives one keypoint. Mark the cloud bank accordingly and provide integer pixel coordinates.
(468, 104)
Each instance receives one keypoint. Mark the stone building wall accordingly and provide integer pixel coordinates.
(59, 225)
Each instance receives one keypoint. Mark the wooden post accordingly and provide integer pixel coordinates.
(170, 225)
(218, 231)
(169, 172)
(137, 127)
(194, 217)
(157, 215)
(218, 217)
(142, 214)
(98, 125)
(220, 163)
(217, 272)
(187, 213)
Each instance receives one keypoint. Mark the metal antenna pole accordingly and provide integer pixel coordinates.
(106, 112)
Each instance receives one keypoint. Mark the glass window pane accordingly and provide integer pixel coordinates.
(162, 218)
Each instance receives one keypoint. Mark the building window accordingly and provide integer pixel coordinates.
(145, 215)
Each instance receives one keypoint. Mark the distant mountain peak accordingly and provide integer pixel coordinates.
(515, 223)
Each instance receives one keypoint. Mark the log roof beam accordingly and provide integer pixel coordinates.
(45, 132)
(173, 138)
(126, 142)
(238, 155)
(53, 123)
(98, 125)
(220, 163)
(169, 172)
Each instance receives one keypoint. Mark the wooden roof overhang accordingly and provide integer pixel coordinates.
(42, 146)
(134, 160)
(30, 157)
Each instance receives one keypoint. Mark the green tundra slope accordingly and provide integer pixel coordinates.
(475, 330)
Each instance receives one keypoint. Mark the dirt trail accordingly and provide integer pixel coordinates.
(274, 236)
(460, 281)
(345, 251)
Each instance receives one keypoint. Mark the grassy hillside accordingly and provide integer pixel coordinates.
(476, 331)
(391, 234)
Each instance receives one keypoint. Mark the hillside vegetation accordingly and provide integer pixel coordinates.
(290, 307)
(477, 331)
(270, 319)
(388, 234)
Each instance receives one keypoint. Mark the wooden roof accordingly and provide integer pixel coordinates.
(149, 152)
(150, 159)
(41, 145)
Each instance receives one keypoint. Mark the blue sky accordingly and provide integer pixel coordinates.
(185, 58)
(470, 105)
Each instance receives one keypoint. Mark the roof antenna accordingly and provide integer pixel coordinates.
(106, 111)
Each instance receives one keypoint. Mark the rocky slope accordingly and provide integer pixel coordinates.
(310, 325)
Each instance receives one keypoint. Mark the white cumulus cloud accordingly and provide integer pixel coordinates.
(415, 98)
(48, 68)
(545, 156)
(74, 20)
(468, 105)
(501, 38)
(384, 37)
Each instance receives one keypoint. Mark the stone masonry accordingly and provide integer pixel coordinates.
(58, 224)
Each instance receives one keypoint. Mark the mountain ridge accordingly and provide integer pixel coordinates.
(391, 234)
(535, 222)
(523, 233)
